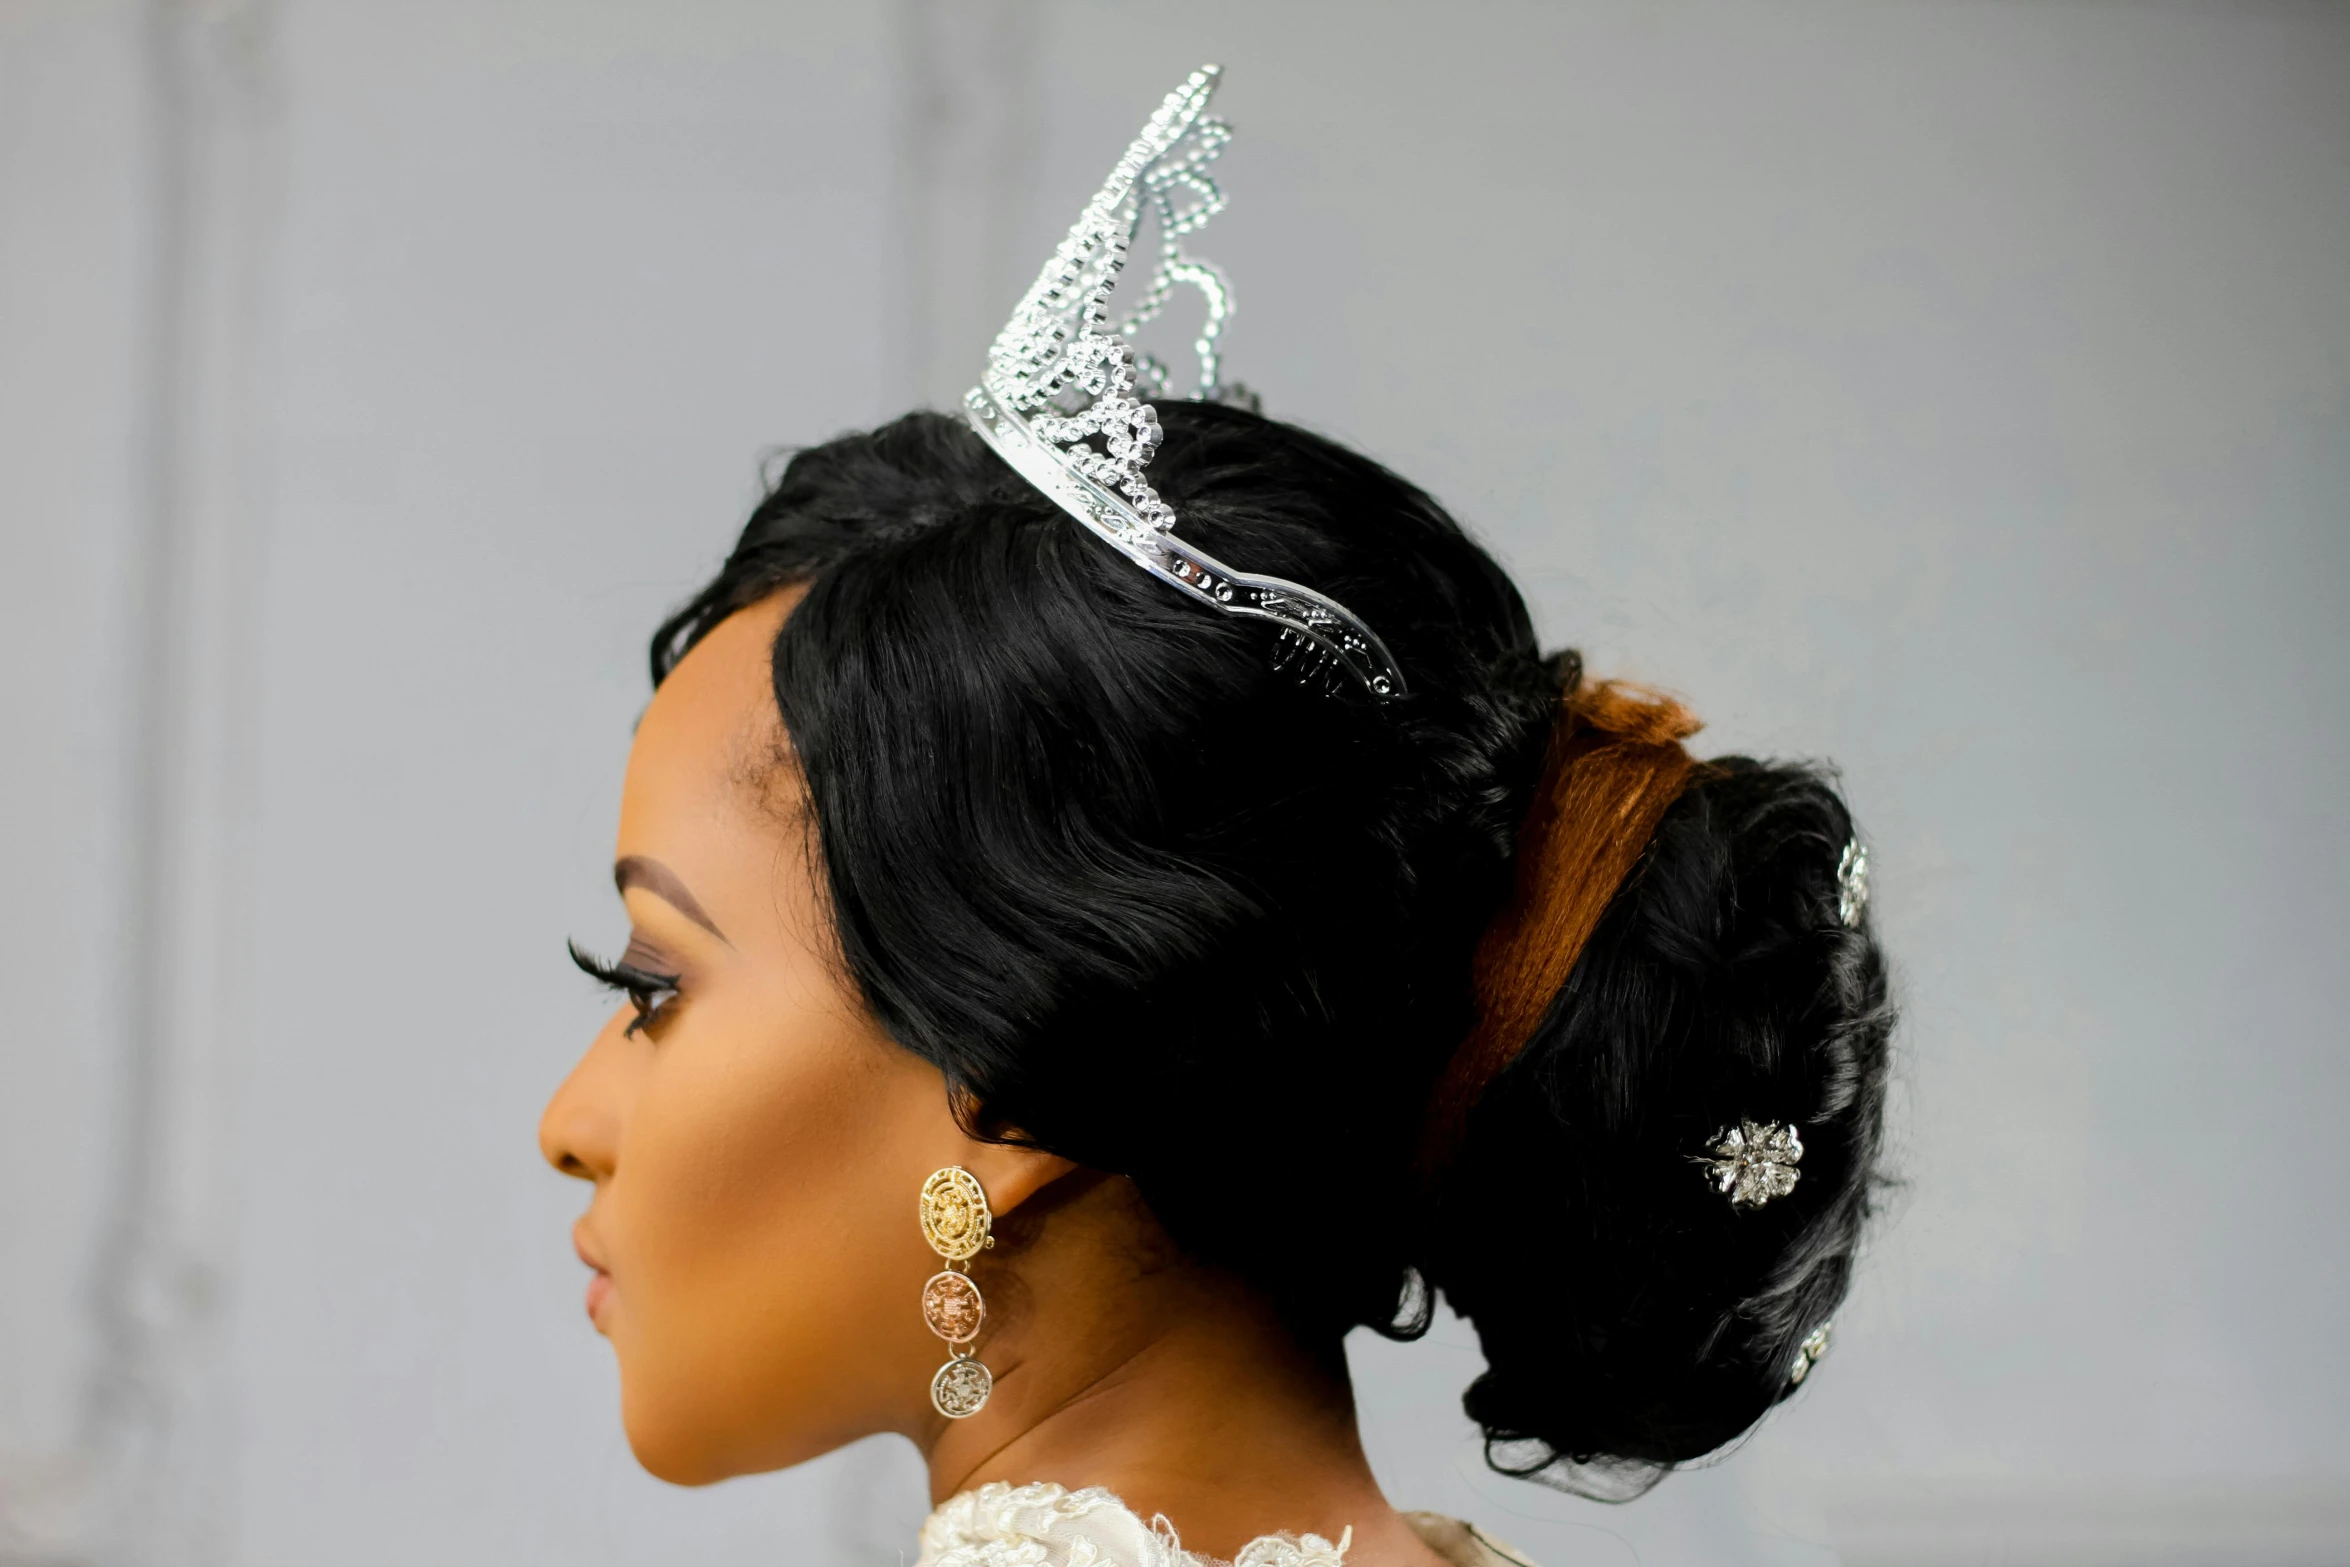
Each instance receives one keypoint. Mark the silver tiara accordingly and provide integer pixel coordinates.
(1059, 404)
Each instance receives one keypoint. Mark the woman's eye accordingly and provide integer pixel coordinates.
(648, 1001)
(647, 990)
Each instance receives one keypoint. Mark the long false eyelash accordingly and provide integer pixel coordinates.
(642, 987)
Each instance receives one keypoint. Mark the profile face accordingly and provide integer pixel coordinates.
(756, 1142)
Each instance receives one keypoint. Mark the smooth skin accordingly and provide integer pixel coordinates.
(757, 1146)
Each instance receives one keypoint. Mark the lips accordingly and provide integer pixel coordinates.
(599, 1287)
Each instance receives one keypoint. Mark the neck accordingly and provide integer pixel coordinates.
(1176, 1387)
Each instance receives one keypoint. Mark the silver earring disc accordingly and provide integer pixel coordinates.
(960, 1388)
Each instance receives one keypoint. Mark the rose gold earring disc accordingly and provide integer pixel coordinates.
(953, 1307)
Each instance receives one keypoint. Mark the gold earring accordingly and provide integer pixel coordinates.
(956, 1222)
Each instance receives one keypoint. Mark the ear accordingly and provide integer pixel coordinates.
(1011, 1175)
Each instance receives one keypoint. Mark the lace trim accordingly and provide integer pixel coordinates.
(1047, 1525)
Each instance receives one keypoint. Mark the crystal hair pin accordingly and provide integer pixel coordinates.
(1754, 1162)
(1808, 1353)
(1852, 883)
(1059, 399)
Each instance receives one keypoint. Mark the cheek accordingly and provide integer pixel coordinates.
(769, 1260)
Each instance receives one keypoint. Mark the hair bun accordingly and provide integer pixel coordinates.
(1632, 1318)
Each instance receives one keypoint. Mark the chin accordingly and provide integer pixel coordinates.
(674, 1424)
(692, 1433)
(671, 1449)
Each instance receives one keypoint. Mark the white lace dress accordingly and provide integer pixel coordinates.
(1048, 1525)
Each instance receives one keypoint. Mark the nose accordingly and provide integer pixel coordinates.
(579, 1133)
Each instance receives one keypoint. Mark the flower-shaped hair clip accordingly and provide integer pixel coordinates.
(1754, 1162)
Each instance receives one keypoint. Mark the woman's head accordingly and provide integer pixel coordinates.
(754, 1136)
(1094, 877)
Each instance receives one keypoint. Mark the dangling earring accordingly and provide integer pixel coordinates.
(955, 1221)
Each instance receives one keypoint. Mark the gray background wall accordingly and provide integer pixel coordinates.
(1960, 390)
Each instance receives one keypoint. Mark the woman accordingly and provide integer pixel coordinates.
(1065, 999)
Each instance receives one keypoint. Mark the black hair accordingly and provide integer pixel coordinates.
(1156, 905)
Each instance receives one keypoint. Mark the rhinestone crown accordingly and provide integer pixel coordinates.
(1060, 400)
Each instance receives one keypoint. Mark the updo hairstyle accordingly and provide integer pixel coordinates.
(1154, 904)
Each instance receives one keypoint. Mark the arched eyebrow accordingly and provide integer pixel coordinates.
(635, 870)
